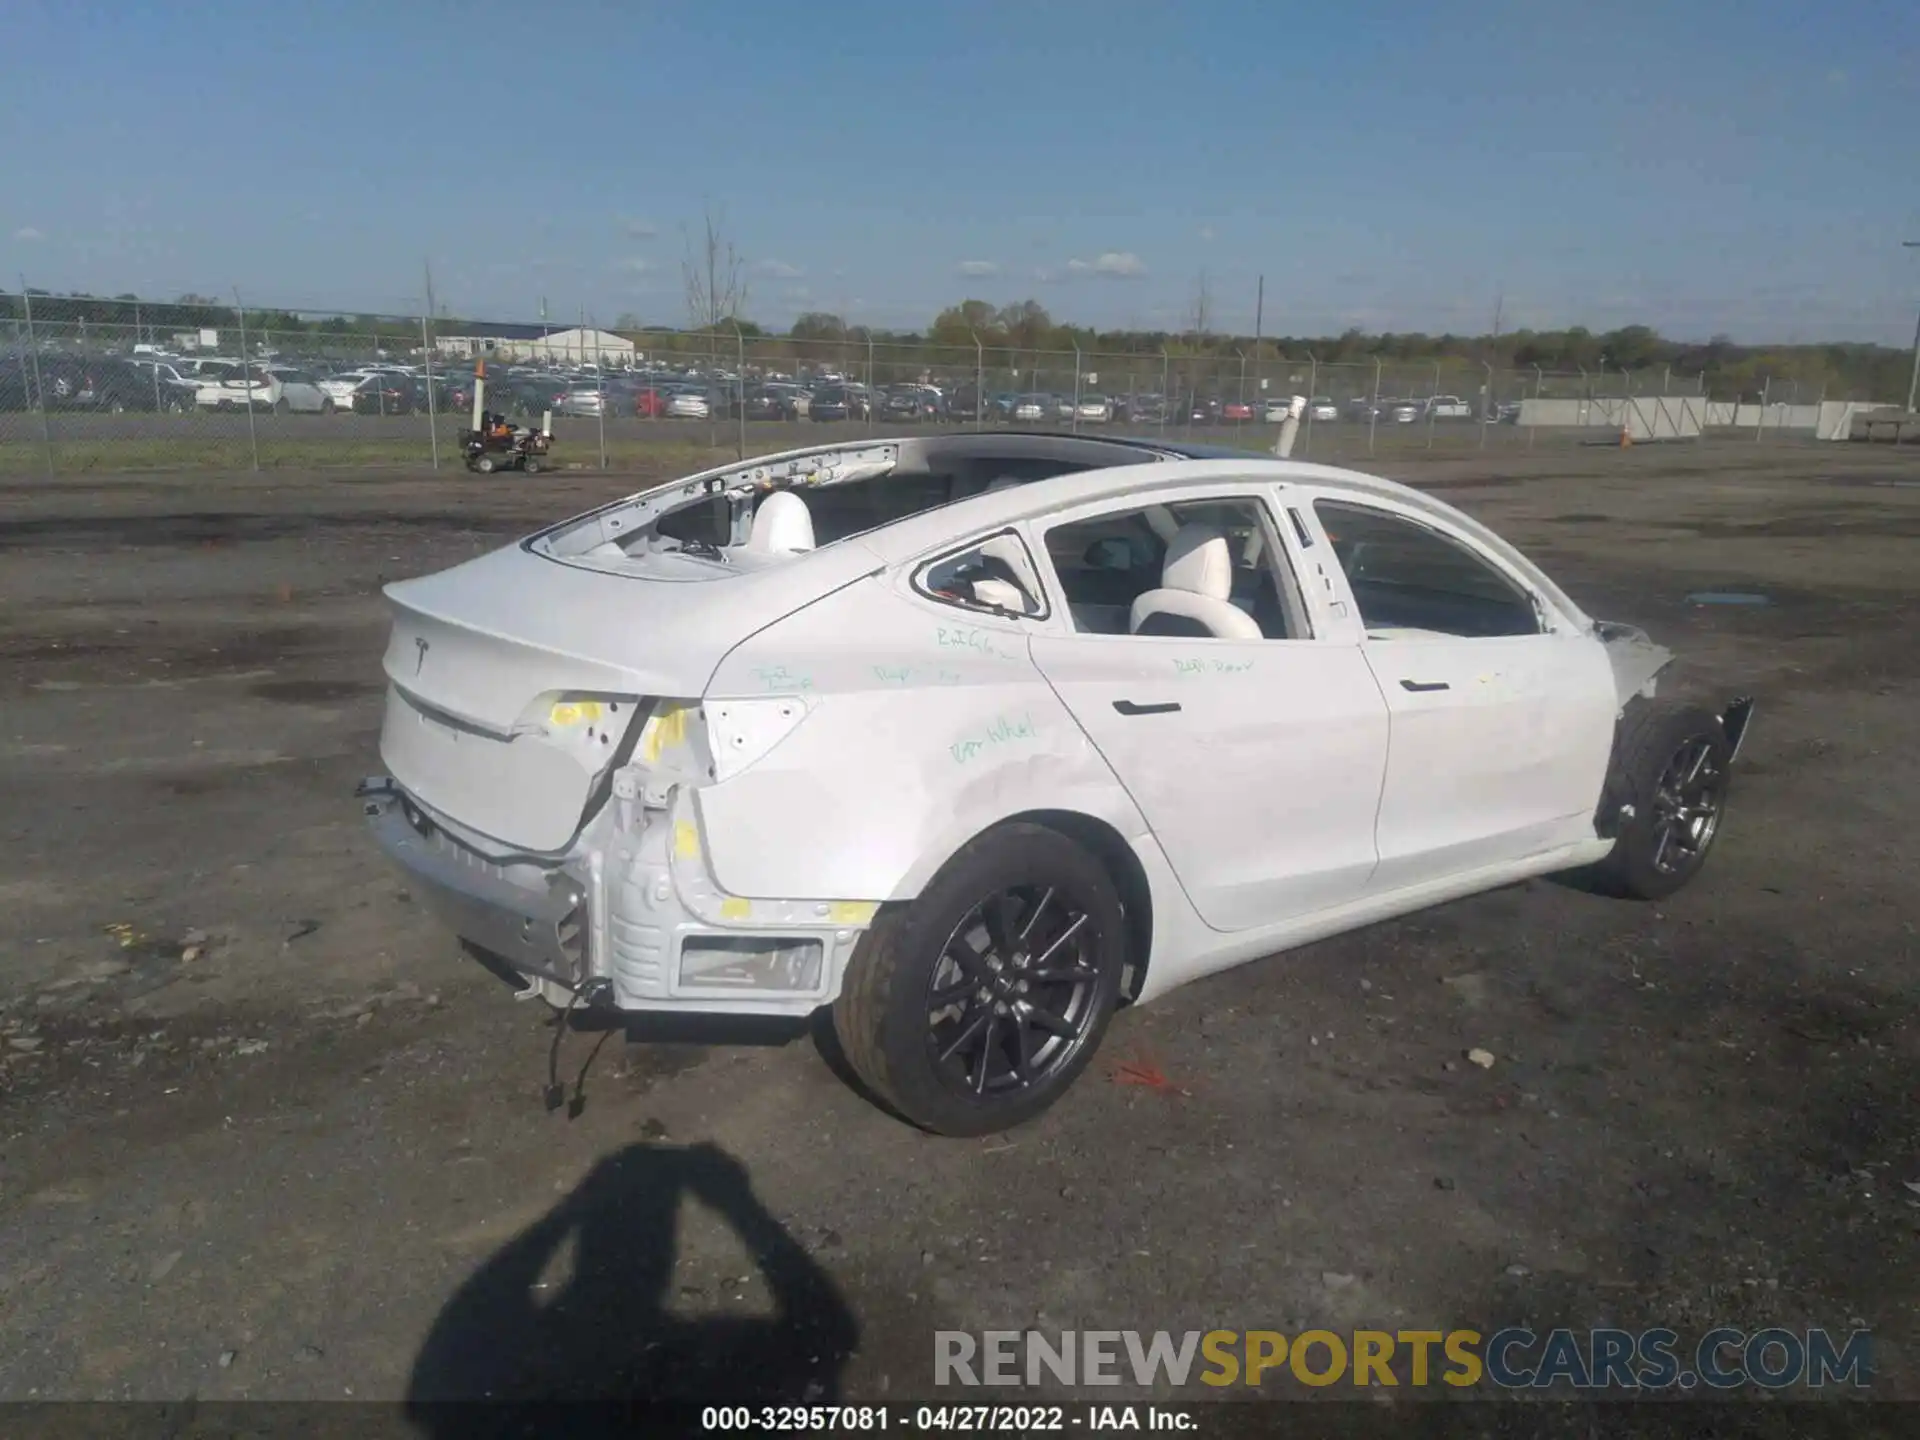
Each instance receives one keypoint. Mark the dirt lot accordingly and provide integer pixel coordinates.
(266, 1133)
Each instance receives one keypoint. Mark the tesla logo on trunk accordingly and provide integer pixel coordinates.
(421, 647)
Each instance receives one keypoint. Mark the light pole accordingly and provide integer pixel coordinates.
(1913, 385)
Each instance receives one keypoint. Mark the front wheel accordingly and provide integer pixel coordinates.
(282, 406)
(484, 464)
(1669, 781)
(976, 1006)
(326, 407)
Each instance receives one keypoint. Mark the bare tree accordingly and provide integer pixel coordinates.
(1201, 313)
(715, 276)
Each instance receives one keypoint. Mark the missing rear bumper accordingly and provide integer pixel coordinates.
(538, 932)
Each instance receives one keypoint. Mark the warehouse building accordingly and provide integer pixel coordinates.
(537, 342)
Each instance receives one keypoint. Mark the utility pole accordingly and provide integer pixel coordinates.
(1913, 385)
(1259, 314)
(426, 344)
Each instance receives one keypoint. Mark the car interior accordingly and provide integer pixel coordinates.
(1200, 568)
(931, 473)
(1409, 581)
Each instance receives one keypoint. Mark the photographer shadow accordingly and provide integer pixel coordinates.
(607, 1334)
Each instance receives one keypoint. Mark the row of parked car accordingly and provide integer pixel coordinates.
(182, 384)
(160, 382)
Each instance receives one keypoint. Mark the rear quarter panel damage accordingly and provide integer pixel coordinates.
(926, 725)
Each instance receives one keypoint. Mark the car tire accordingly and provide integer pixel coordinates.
(326, 406)
(1048, 899)
(1666, 789)
(282, 406)
(483, 464)
(532, 466)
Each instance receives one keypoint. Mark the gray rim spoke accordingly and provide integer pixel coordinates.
(972, 1028)
(1047, 1020)
(1064, 936)
(1034, 918)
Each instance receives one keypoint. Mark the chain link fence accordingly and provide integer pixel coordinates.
(126, 385)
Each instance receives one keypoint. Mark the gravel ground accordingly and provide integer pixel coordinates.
(266, 1133)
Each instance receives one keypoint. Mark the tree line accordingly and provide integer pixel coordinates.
(1008, 336)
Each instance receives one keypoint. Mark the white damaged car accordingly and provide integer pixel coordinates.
(974, 737)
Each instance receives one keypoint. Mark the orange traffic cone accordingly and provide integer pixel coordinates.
(1626, 438)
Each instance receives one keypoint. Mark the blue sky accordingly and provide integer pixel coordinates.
(1700, 167)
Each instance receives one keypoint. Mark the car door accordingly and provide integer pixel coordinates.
(1501, 711)
(1257, 762)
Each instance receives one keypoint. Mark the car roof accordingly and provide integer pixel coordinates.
(1174, 464)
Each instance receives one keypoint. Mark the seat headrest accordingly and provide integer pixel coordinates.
(782, 525)
(1199, 561)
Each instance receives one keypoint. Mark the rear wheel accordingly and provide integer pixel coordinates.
(533, 465)
(282, 406)
(484, 464)
(326, 406)
(1669, 782)
(975, 1007)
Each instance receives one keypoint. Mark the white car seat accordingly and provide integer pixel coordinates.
(1195, 594)
(1018, 593)
(782, 525)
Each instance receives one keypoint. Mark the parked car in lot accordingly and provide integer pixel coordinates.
(1147, 409)
(1449, 407)
(649, 402)
(1141, 716)
(1404, 412)
(794, 402)
(1321, 407)
(689, 405)
(340, 386)
(161, 384)
(272, 388)
(1031, 409)
(838, 402)
(583, 398)
(911, 404)
(1236, 412)
(534, 395)
(1094, 410)
(105, 383)
(384, 395)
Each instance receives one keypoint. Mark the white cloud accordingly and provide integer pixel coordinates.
(798, 294)
(1046, 276)
(640, 229)
(1114, 264)
(1206, 232)
(27, 235)
(778, 270)
(634, 265)
(978, 268)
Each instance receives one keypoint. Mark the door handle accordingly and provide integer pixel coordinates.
(1127, 707)
(1422, 686)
